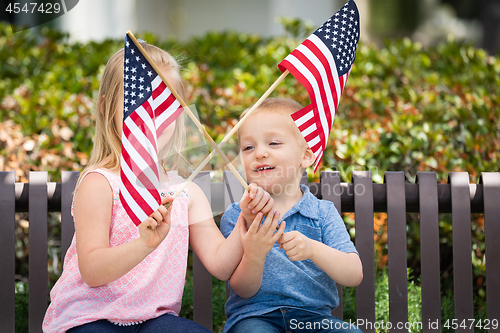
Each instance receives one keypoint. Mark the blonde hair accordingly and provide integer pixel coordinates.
(107, 140)
(279, 105)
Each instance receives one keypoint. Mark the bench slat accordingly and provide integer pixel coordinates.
(68, 180)
(491, 195)
(202, 279)
(38, 274)
(331, 191)
(462, 261)
(363, 210)
(7, 246)
(429, 250)
(396, 237)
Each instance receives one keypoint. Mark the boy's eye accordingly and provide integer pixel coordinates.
(274, 143)
(247, 148)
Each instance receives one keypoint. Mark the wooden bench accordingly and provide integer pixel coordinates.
(362, 197)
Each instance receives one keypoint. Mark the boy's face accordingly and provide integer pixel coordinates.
(274, 157)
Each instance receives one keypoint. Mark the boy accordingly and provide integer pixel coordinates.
(289, 285)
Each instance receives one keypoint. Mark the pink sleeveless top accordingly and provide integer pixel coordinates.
(152, 288)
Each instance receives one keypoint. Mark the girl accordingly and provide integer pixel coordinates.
(118, 277)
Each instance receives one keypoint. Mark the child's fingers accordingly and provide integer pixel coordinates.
(165, 199)
(157, 216)
(252, 190)
(151, 223)
(280, 232)
(264, 228)
(275, 218)
(263, 198)
(269, 205)
(255, 224)
(256, 200)
(242, 225)
(163, 211)
(285, 238)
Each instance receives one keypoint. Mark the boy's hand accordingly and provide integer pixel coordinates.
(255, 200)
(296, 245)
(155, 228)
(259, 239)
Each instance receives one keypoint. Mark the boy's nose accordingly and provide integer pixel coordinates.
(261, 153)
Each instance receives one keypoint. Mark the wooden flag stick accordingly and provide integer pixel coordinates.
(190, 114)
(228, 135)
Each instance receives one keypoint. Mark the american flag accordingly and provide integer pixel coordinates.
(322, 64)
(148, 108)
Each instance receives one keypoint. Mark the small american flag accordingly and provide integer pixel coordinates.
(322, 64)
(148, 108)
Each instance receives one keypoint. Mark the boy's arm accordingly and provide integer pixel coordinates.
(342, 267)
(257, 242)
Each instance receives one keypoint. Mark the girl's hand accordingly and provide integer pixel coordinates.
(155, 228)
(296, 245)
(259, 239)
(255, 200)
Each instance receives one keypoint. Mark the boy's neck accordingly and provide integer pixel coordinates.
(285, 201)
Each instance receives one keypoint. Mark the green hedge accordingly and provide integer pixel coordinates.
(404, 107)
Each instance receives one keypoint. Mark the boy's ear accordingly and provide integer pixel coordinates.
(308, 158)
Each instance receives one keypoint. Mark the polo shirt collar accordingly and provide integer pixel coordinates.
(307, 206)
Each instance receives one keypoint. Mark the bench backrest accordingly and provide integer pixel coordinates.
(362, 197)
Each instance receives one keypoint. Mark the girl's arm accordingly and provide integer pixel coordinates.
(219, 255)
(100, 264)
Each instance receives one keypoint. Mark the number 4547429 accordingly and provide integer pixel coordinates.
(484, 324)
(33, 7)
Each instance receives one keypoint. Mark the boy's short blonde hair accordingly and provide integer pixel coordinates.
(280, 105)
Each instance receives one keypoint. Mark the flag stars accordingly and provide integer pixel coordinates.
(134, 69)
(141, 79)
(137, 58)
(143, 66)
(149, 73)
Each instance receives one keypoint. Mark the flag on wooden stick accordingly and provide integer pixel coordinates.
(322, 64)
(149, 108)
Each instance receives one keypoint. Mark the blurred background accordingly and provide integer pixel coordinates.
(423, 95)
(426, 21)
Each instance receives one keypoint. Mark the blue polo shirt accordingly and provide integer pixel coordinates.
(293, 284)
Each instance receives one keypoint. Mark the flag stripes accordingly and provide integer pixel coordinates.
(149, 108)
